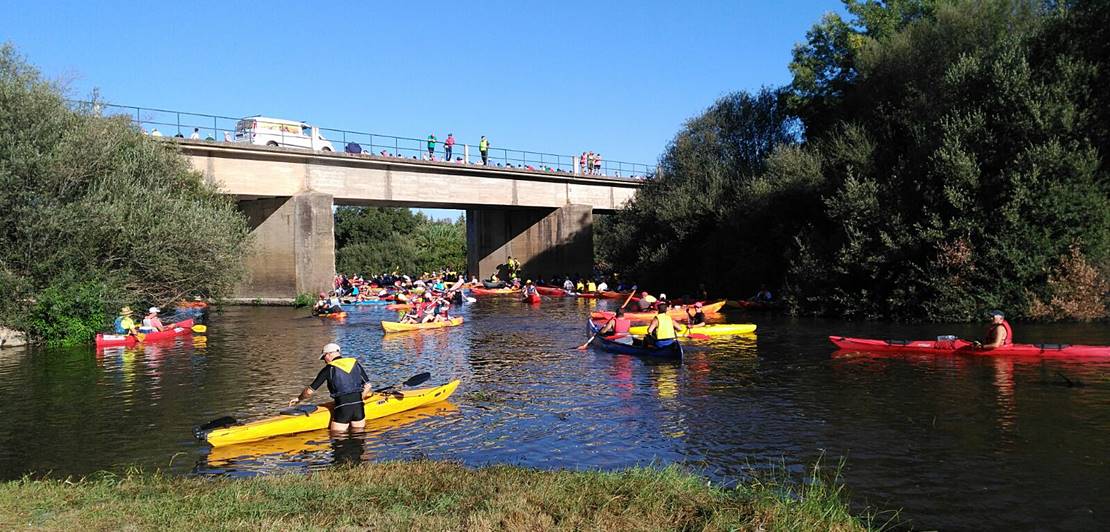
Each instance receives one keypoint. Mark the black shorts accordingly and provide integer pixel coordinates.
(348, 408)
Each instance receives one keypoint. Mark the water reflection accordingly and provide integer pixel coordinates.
(954, 441)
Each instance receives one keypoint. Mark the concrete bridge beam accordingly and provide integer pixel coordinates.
(545, 241)
(294, 246)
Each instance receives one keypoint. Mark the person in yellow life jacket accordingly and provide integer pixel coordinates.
(348, 384)
(125, 324)
(591, 287)
(661, 332)
(999, 334)
(580, 286)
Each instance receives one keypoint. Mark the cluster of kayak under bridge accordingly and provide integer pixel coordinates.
(627, 340)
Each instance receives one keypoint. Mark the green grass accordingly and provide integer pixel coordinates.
(424, 495)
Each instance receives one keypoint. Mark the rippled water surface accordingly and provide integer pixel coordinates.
(955, 443)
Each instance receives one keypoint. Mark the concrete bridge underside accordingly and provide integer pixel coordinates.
(544, 220)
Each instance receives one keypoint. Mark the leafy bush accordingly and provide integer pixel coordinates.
(69, 313)
(304, 300)
(89, 199)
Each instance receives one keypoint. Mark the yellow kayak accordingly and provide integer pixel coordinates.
(721, 329)
(320, 440)
(377, 406)
(393, 326)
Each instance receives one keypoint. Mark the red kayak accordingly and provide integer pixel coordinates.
(534, 299)
(112, 340)
(615, 295)
(963, 347)
(551, 291)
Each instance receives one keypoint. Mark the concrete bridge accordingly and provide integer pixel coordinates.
(544, 219)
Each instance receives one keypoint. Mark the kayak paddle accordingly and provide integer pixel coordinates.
(583, 346)
(419, 378)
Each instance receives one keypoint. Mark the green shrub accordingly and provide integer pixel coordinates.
(69, 313)
(304, 300)
(88, 199)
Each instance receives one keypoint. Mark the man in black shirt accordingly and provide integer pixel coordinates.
(347, 384)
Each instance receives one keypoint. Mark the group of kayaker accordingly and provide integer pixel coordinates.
(125, 323)
(428, 306)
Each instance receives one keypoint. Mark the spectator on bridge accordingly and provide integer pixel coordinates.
(227, 136)
(179, 135)
(597, 164)
(431, 145)
(483, 147)
(196, 134)
(155, 133)
(447, 145)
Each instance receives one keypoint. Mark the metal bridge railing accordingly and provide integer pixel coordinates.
(216, 128)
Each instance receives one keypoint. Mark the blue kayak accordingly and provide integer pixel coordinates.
(371, 302)
(635, 347)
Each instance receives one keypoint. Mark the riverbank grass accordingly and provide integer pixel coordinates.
(423, 495)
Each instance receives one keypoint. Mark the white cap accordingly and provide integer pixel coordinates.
(154, 310)
(330, 348)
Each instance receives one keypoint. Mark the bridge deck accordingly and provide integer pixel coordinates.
(250, 171)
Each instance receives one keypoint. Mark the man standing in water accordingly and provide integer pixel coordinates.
(347, 384)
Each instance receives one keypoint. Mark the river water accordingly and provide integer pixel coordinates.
(953, 443)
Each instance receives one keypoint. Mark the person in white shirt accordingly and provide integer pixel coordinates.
(196, 134)
(155, 133)
(603, 287)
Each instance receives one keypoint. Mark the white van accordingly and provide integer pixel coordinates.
(277, 132)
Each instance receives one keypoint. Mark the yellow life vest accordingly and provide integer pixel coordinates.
(345, 364)
(665, 329)
(591, 287)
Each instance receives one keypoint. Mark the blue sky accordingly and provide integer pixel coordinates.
(619, 78)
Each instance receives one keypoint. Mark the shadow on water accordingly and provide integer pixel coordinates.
(956, 442)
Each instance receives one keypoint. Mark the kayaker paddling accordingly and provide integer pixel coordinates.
(347, 384)
(124, 324)
(151, 323)
(618, 325)
(646, 300)
(697, 318)
(999, 334)
(661, 332)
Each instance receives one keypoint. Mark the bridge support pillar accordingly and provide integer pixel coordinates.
(545, 241)
(294, 246)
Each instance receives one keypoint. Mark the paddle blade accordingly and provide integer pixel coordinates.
(200, 328)
(697, 336)
(417, 379)
(218, 423)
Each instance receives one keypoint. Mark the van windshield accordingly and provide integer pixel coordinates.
(246, 124)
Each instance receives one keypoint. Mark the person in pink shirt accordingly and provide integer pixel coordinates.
(448, 144)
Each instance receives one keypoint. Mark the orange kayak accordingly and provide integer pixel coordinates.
(678, 314)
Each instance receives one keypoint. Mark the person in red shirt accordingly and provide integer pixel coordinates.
(448, 144)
